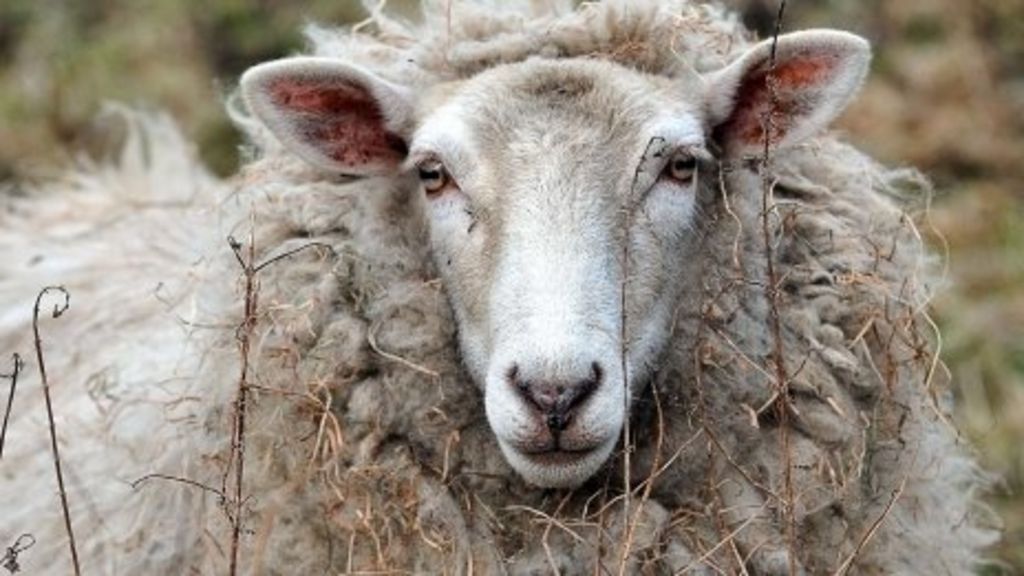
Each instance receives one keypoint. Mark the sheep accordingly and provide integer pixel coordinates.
(649, 344)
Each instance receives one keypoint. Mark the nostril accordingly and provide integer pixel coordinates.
(525, 392)
(579, 393)
(597, 372)
(522, 387)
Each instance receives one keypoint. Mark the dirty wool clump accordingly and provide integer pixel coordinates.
(797, 429)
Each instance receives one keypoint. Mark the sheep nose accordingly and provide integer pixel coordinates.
(557, 399)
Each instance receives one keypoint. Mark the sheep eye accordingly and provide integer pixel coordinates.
(434, 177)
(681, 168)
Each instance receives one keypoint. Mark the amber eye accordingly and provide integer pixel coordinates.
(681, 168)
(433, 176)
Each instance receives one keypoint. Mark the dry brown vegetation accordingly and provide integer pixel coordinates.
(946, 95)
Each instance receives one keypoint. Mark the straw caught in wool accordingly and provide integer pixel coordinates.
(412, 480)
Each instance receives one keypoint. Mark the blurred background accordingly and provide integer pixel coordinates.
(946, 95)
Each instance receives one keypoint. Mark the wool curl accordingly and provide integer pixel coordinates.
(367, 449)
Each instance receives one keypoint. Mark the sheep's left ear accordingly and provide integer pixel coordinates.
(816, 74)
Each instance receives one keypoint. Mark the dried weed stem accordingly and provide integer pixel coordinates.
(246, 257)
(58, 310)
(844, 568)
(13, 377)
(782, 407)
(244, 336)
(627, 448)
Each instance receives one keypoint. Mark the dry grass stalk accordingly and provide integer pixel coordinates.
(140, 481)
(728, 539)
(236, 459)
(650, 150)
(371, 339)
(246, 257)
(845, 567)
(58, 310)
(782, 378)
(13, 377)
(648, 484)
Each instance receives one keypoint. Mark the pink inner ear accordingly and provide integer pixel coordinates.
(798, 81)
(339, 119)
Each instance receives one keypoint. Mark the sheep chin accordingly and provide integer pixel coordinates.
(569, 473)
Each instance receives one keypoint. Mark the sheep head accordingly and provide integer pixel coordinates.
(563, 202)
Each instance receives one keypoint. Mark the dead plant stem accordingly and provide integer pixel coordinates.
(246, 257)
(870, 532)
(13, 376)
(627, 226)
(244, 335)
(772, 295)
(58, 310)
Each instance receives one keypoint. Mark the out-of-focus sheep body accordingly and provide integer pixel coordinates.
(367, 449)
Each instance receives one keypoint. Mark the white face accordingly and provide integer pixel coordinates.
(532, 175)
(563, 204)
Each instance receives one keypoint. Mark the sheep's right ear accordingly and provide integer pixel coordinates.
(334, 115)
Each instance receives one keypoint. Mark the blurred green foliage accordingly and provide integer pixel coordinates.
(946, 94)
(63, 58)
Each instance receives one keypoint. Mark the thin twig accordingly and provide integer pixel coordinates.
(728, 538)
(58, 310)
(544, 540)
(274, 259)
(371, 338)
(772, 294)
(645, 496)
(627, 225)
(246, 257)
(844, 568)
(13, 376)
(140, 481)
(548, 518)
(244, 334)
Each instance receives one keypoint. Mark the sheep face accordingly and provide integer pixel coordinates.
(532, 175)
(562, 202)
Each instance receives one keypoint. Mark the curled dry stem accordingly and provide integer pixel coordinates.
(58, 309)
(10, 560)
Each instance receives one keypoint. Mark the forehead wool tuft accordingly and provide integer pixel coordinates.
(558, 85)
(458, 39)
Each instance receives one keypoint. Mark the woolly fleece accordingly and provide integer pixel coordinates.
(368, 450)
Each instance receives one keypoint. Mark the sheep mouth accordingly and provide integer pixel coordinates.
(551, 450)
(557, 456)
(578, 444)
(554, 465)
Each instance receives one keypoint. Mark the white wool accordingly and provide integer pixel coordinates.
(367, 448)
